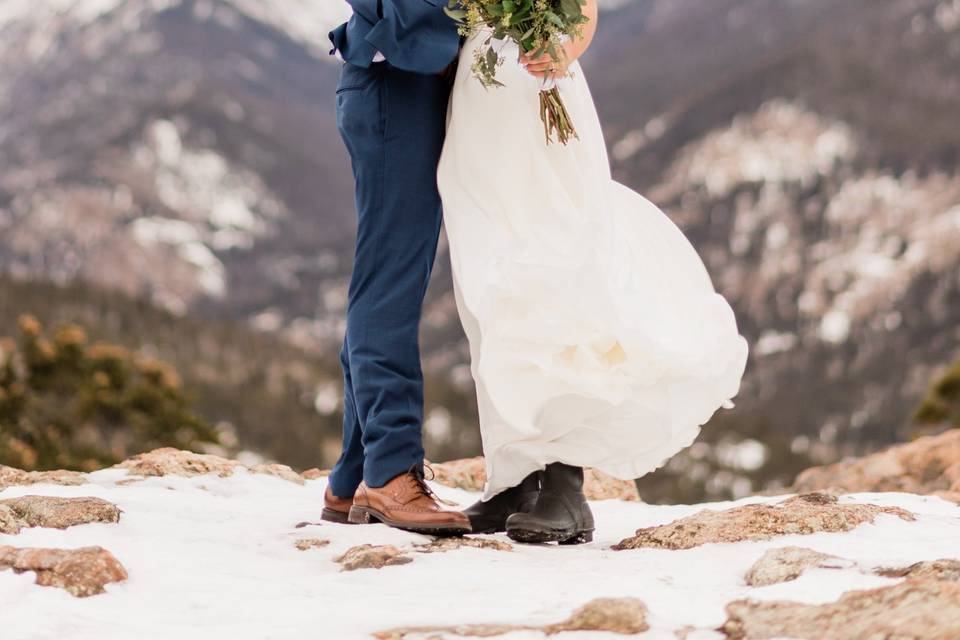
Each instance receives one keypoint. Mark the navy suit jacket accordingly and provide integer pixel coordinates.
(413, 35)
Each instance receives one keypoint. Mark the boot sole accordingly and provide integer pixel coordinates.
(561, 537)
(487, 527)
(366, 515)
(332, 515)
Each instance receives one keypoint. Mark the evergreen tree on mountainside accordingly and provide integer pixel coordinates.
(942, 402)
(68, 404)
(258, 389)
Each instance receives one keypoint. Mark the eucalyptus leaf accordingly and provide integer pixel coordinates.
(571, 8)
(492, 58)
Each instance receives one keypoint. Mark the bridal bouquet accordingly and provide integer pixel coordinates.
(538, 27)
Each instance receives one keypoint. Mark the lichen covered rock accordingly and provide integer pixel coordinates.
(281, 471)
(625, 616)
(800, 515)
(55, 513)
(946, 569)
(911, 610)
(788, 563)
(303, 544)
(10, 477)
(928, 465)
(368, 556)
(174, 462)
(83, 572)
(441, 545)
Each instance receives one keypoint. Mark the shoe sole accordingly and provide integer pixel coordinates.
(332, 515)
(366, 515)
(561, 537)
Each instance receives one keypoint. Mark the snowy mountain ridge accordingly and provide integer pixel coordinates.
(306, 21)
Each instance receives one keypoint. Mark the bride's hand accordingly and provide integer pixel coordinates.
(545, 66)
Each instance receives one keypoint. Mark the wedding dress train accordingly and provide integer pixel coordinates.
(596, 336)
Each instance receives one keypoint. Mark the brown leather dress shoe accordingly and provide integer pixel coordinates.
(335, 509)
(406, 502)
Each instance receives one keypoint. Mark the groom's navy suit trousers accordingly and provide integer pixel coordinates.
(391, 116)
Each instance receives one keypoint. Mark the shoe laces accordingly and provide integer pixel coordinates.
(419, 479)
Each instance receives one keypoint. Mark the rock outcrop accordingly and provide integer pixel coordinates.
(626, 616)
(11, 477)
(315, 474)
(788, 563)
(174, 462)
(441, 545)
(911, 610)
(55, 513)
(83, 572)
(928, 465)
(303, 544)
(805, 514)
(368, 556)
(470, 474)
(947, 569)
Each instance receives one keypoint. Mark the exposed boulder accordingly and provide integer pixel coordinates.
(441, 545)
(788, 563)
(174, 462)
(281, 471)
(315, 474)
(799, 515)
(303, 544)
(55, 513)
(932, 569)
(910, 610)
(10, 477)
(598, 485)
(83, 572)
(625, 616)
(470, 474)
(368, 556)
(928, 465)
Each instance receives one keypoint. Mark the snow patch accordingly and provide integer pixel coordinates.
(771, 342)
(835, 326)
(635, 141)
(306, 21)
(780, 142)
(947, 15)
(883, 233)
(186, 239)
(228, 543)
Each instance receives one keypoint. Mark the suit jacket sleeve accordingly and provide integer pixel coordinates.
(414, 35)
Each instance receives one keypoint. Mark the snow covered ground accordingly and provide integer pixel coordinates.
(214, 558)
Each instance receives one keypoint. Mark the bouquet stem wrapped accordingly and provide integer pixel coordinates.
(538, 27)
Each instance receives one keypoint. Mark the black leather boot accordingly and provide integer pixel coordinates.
(561, 513)
(491, 516)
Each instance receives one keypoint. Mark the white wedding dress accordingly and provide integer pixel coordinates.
(596, 336)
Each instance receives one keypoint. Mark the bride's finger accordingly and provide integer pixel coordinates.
(539, 69)
(546, 64)
(525, 58)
